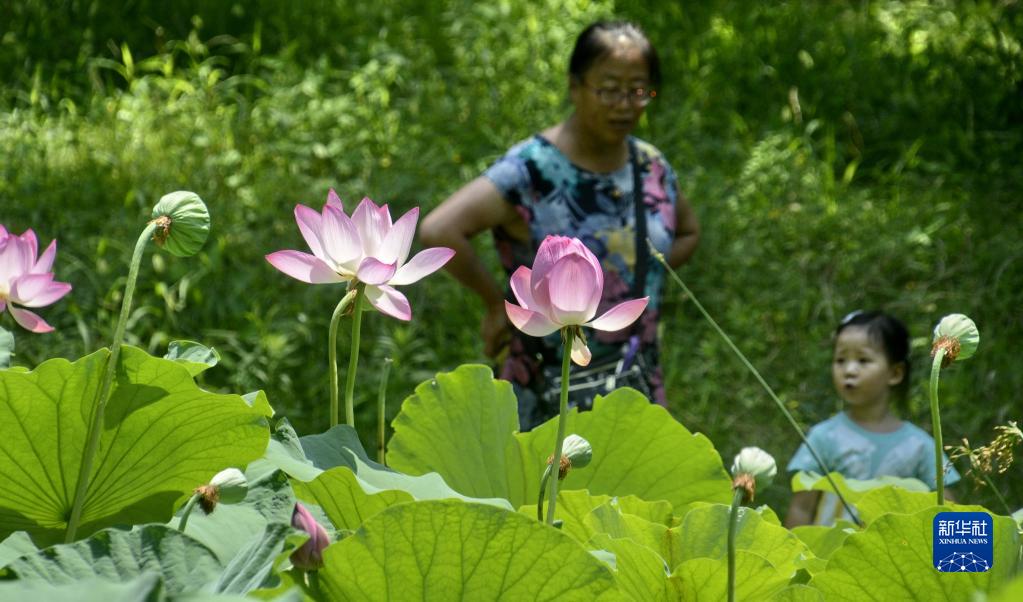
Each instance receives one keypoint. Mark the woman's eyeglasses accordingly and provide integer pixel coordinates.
(640, 97)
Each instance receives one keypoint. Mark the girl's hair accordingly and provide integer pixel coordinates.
(597, 40)
(893, 336)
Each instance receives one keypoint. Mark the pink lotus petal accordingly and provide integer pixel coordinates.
(31, 242)
(3, 305)
(37, 290)
(520, 285)
(308, 557)
(572, 290)
(423, 264)
(398, 241)
(29, 321)
(372, 226)
(46, 259)
(580, 352)
(304, 267)
(530, 322)
(551, 250)
(342, 241)
(620, 316)
(333, 200)
(3, 233)
(14, 259)
(389, 301)
(373, 271)
(310, 224)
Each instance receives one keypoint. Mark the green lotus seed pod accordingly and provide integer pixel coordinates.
(183, 223)
(757, 463)
(231, 485)
(958, 335)
(577, 450)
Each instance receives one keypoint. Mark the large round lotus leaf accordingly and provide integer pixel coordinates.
(704, 534)
(462, 425)
(706, 579)
(450, 550)
(891, 560)
(575, 507)
(641, 572)
(162, 437)
(183, 563)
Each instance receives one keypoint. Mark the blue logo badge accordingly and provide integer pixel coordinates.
(963, 542)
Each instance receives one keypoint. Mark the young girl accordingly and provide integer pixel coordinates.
(870, 369)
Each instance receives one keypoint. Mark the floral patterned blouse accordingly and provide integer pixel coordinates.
(555, 196)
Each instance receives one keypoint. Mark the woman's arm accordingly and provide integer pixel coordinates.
(802, 509)
(475, 207)
(687, 232)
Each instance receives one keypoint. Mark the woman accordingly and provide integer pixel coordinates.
(577, 179)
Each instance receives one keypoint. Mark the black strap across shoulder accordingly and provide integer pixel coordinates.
(642, 252)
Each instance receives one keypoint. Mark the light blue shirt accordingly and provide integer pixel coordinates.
(857, 453)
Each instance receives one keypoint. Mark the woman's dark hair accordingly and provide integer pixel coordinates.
(893, 336)
(597, 40)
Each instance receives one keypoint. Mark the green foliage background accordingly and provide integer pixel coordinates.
(839, 155)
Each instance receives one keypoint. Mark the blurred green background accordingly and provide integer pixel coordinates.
(840, 155)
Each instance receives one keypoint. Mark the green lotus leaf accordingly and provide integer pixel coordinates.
(162, 437)
(853, 489)
(797, 593)
(822, 541)
(895, 552)
(195, 357)
(641, 572)
(143, 587)
(345, 500)
(888, 500)
(638, 449)
(704, 534)
(333, 471)
(702, 579)
(17, 544)
(182, 563)
(1010, 592)
(6, 347)
(450, 550)
(574, 508)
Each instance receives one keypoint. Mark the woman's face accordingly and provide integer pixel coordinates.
(605, 101)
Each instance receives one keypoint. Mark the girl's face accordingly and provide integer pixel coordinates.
(603, 97)
(860, 369)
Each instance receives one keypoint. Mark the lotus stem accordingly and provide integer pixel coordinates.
(382, 413)
(353, 358)
(749, 366)
(187, 512)
(733, 520)
(332, 351)
(96, 424)
(543, 491)
(939, 465)
(566, 341)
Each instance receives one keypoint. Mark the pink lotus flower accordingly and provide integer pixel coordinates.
(26, 280)
(365, 248)
(563, 289)
(309, 557)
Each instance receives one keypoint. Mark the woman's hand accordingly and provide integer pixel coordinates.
(496, 330)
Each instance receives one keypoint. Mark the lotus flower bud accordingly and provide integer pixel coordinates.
(183, 223)
(753, 469)
(577, 450)
(958, 336)
(229, 486)
(309, 557)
